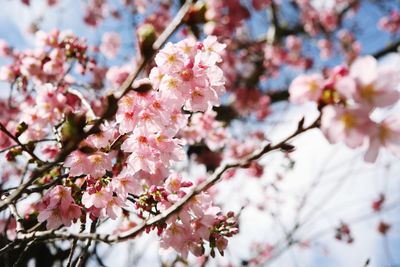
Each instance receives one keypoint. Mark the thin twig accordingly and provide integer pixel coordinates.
(22, 254)
(83, 255)
(31, 142)
(23, 146)
(73, 247)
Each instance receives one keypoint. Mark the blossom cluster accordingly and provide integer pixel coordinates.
(347, 99)
(132, 156)
(290, 54)
(47, 63)
(198, 221)
(325, 19)
(203, 127)
(391, 23)
(58, 207)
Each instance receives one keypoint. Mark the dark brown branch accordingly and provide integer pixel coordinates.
(394, 47)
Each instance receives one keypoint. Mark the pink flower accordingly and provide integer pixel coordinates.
(102, 138)
(205, 127)
(113, 208)
(30, 66)
(171, 88)
(174, 184)
(391, 23)
(77, 162)
(144, 157)
(206, 86)
(155, 76)
(155, 178)
(99, 199)
(175, 236)
(117, 75)
(350, 125)
(329, 19)
(294, 43)
(5, 49)
(55, 66)
(126, 183)
(201, 99)
(58, 207)
(58, 196)
(95, 164)
(7, 74)
(177, 120)
(326, 48)
(190, 78)
(170, 149)
(170, 58)
(212, 51)
(188, 46)
(385, 134)
(306, 88)
(50, 102)
(111, 43)
(376, 87)
(182, 238)
(260, 4)
(99, 162)
(200, 203)
(127, 120)
(146, 112)
(204, 223)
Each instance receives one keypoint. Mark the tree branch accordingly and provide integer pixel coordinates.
(31, 142)
(177, 206)
(18, 219)
(394, 47)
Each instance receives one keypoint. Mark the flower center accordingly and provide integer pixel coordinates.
(348, 121)
(368, 92)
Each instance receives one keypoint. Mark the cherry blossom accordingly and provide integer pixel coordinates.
(111, 43)
(375, 87)
(385, 134)
(141, 129)
(58, 208)
(306, 88)
(350, 125)
(391, 23)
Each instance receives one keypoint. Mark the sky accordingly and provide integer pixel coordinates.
(346, 187)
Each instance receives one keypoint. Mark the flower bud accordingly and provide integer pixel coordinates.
(146, 36)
